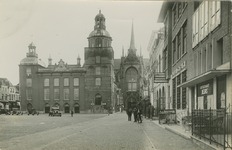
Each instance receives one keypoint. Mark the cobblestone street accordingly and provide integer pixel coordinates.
(86, 131)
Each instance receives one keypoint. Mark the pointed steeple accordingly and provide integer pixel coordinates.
(132, 43)
(123, 51)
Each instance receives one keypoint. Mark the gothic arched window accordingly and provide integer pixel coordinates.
(131, 79)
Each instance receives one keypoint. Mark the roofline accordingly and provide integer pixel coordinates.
(163, 9)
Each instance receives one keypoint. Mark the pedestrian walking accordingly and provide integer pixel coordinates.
(129, 113)
(71, 113)
(135, 112)
(139, 115)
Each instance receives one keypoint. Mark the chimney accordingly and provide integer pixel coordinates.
(78, 61)
(50, 60)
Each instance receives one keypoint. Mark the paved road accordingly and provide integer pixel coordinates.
(86, 132)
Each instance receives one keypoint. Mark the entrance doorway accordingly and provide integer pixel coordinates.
(47, 109)
(66, 108)
(76, 108)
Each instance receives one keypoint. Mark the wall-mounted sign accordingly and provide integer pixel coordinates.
(179, 68)
(205, 88)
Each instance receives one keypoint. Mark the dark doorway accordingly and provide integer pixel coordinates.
(47, 109)
(77, 109)
(66, 110)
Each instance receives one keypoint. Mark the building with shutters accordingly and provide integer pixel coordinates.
(199, 51)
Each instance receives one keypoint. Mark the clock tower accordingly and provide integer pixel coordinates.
(99, 63)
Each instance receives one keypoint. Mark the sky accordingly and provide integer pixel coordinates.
(60, 28)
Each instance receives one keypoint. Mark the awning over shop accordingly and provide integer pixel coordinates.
(204, 77)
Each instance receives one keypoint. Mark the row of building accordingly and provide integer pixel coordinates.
(9, 96)
(102, 83)
(190, 57)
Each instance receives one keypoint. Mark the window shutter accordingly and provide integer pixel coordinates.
(209, 15)
(197, 26)
(213, 15)
(206, 17)
(193, 33)
(182, 41)
(202, 19)
(218, 13)
(200, 22)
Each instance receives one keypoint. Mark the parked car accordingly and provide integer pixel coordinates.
(33, 112)
(16, 111)
(55, 112)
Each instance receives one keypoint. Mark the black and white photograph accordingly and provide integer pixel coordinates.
(115, 75)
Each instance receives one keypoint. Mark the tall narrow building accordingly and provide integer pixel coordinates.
(99, 63)
(131, 75)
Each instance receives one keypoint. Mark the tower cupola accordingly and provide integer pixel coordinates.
(99, 21)
(32, 50)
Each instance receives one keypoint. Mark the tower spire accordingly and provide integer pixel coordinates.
(132, 43)
(123, 51)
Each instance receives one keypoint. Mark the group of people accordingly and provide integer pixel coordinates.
(137, 112)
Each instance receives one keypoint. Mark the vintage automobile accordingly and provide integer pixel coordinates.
(55, 112)
(16, 111)
(33, 112)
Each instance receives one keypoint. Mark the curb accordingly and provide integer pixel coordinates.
(178, 133)
(197, 141)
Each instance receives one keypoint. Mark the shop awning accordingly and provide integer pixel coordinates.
(204, 77)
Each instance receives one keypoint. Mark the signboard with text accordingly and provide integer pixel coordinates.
(205, 88)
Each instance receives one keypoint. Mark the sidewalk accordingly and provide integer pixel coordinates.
(179, 130)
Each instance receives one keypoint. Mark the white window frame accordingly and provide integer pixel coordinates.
(76, 82)
(66, 81)
(66, 94)
(46, 82)
(76, 94)
(46, 94)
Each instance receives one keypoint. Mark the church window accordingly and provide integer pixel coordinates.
(131, 79)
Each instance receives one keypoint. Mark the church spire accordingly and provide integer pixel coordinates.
(132, 43)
